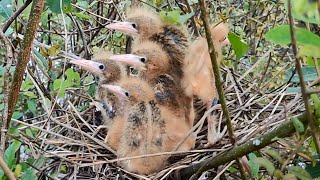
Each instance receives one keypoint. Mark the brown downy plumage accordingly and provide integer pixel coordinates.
(198, 77)
(149, 128)
(154, 66)
(143, 24)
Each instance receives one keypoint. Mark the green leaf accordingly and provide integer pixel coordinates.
(310, 51)
(82, 16)
(56, 84)
(266, 164)
(316, 103)
(172, 17)
(10, 153)
(314, 171)
(293, 90)
(29, 174)
(17, 115)
(254, 167)
(281, 35)
(185, 17)
(17, 170)
(54, 6)
(299, 172)
(274, 154)
(92, 90)
(32, 106)
(83, 4)
(73, 78)
(305, 10)
(297, 125)
(6, 9)
(240, 47)
(309, 74)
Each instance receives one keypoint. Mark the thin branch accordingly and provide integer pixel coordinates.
(284, 130)
(193, 21)
(218, 84)
(305, 95)
(6, 87)
(15, 15)
(6, 169)
(24, 54)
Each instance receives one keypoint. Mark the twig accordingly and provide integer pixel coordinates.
(6, 87)
(6, 169)
(305, 95)
(193, 21)
(15, 15)
(284, 130)
(218, 84)
(24, 55)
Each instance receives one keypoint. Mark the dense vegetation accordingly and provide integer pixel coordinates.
(270, 79)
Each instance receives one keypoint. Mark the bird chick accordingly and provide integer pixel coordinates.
(144, 128)
(143, 24)
(155, 68)
(198, 77)
(149, 128)
(107, 71)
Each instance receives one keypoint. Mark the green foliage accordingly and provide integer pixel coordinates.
(254, 167)
(309, 74)
(73, 80)
(299, 172)
(240, 47)
(314, 171)
(56, 7)
(10, 154)
(306, 11)
(298, 125)
(6, 9)
(174, 17)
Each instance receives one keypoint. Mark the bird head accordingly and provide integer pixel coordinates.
(141, 23)
(132, 90)
(220, 34)
(147, 57)
(101, 66)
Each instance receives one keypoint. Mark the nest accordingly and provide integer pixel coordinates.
(71, 143)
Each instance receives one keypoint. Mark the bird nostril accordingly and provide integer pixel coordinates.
(101, 67)
(143, 60)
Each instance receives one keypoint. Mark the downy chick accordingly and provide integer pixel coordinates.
(149, 128)
(155, 68)
(198, 77)
(107, 71)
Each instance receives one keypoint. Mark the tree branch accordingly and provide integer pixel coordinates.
(6, 87)
(284, 130)
(304, 91)
(6, 169)
(218, 84)
(24, 54)
(15, 15)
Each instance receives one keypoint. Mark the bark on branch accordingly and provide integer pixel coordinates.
(24, 55)
(284, 130)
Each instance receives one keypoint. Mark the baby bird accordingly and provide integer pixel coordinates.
(107, 71)
(155, 68)
(198, 77)
(149, 127)
(143, 24)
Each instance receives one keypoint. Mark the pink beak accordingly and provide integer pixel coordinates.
(116, 90)
(125, 27)
(129, 59)
(91, 66)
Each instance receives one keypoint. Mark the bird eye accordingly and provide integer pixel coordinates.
(134, 25)
(101, 66)
(143, 60)
(126, 93)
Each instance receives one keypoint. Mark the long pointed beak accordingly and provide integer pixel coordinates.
(91, 66)
(129, 59)
(116, 90)
(125, 27)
